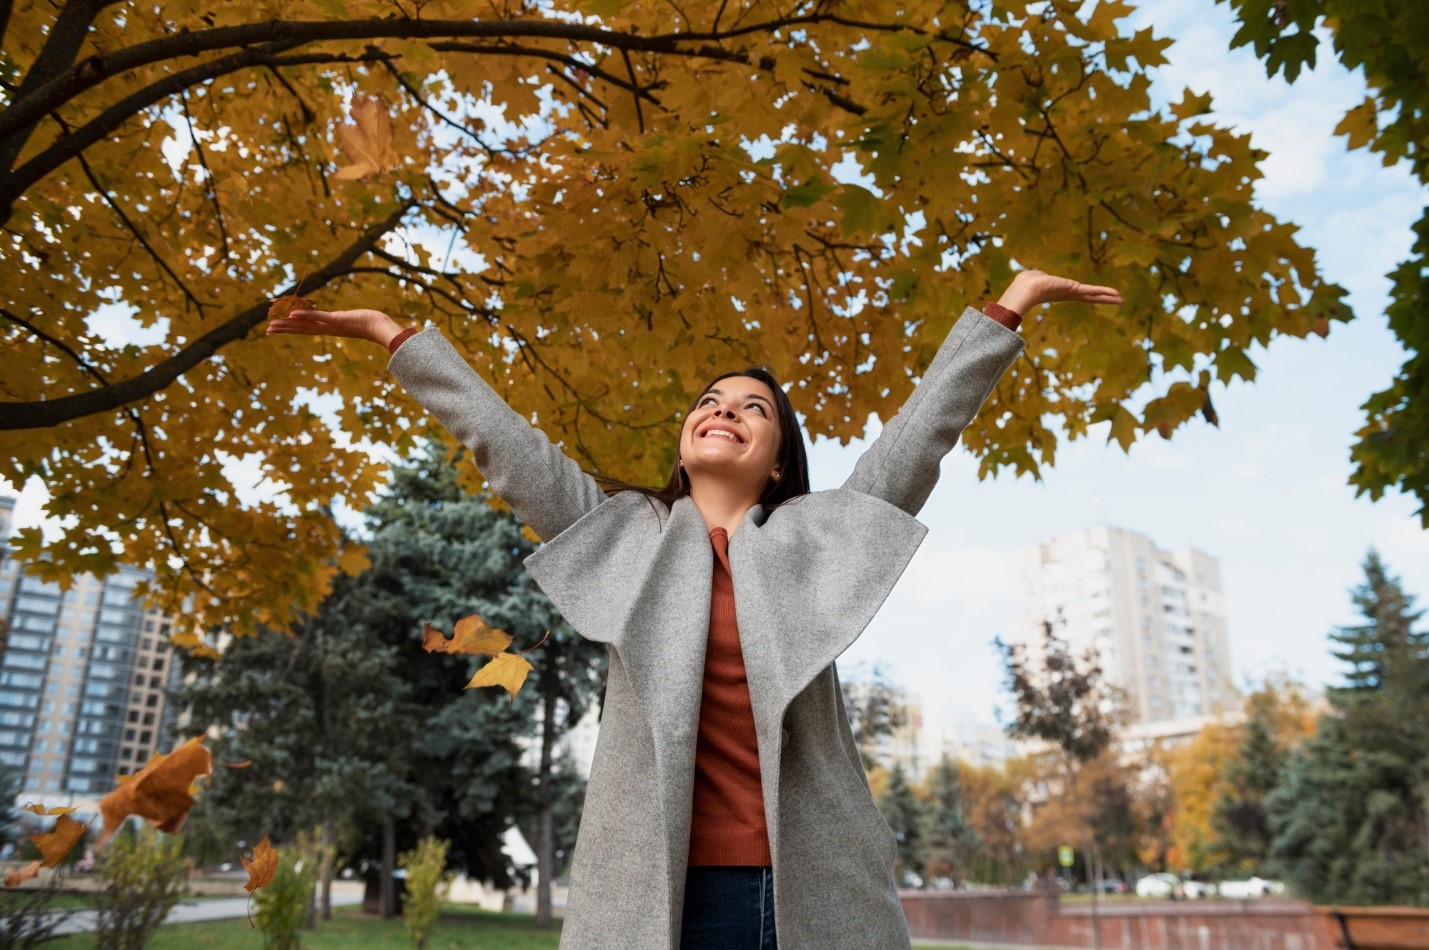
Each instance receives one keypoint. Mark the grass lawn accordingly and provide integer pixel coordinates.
(350, 928)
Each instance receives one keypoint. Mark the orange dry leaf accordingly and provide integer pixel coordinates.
(368, 144)
(471, 635)
(54, 845)
(162, 791)
(507, 670)
(280, 308)
(20, 875)
(263, 866)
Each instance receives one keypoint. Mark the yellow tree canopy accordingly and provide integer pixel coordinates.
(602, 204)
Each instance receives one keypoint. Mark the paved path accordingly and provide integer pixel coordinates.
(191, 911)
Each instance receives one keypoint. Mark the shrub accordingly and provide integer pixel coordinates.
(426, 871)
(282, 905)
(144, 874)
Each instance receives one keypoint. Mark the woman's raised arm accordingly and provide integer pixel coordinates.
(545, 488)
(901, 466)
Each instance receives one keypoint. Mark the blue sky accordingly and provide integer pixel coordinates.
(1265, 493)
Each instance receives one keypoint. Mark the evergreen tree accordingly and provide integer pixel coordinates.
(904, 813)
(949, 841)
(1350, 821)
(1240, 820)
(351, 725)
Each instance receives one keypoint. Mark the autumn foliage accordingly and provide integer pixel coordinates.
(601, 204)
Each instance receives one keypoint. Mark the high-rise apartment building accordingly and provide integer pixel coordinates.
(82, 679)
(1156, 618)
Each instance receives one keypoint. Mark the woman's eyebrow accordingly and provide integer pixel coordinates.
(720, 392)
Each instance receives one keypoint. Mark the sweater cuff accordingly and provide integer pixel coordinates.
(1003, 315)
(400, 338)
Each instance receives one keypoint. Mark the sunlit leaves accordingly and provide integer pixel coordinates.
(823, 200)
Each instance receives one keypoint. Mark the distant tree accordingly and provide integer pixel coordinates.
(876, 709)
(1240, 818)
(903, 811)
(994, 805)
(1062, 700)
(1350, 820)
(948, 839)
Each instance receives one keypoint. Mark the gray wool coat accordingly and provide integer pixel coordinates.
(808, 577)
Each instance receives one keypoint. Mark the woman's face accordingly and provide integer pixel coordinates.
(733, 434)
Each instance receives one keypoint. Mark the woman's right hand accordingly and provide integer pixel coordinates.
(371, 325)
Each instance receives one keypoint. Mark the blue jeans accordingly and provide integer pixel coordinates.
(728, 908)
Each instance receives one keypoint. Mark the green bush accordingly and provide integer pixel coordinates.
(282, 905)
(144, 874)
(426, 885)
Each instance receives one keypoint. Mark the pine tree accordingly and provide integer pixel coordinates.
(949, 840)
(1350, 821)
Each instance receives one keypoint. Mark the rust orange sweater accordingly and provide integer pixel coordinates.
(727, 824)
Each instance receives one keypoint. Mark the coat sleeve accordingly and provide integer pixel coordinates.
(901, 466)
(545, 488)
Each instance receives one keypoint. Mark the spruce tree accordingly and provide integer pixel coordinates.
(1350, 820)
(949, 840)
(1240, 820)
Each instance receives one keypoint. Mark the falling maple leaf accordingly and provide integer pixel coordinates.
(471, 635)
(368, 144)
(20, 875)
(507, 670)
(263, 866)
(54, 845)
(161, 792)
(474, 635)
(38, 809)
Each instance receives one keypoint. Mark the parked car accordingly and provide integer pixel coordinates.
(1198, 890)
(1112, 885)
(1252, 887)
(1160, 885)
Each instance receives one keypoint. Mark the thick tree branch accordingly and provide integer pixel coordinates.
(45, 413)
(71, 27)
(90, 72)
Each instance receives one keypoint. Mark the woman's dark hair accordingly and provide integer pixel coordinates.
(793, 468)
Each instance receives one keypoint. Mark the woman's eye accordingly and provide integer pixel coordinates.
(705, 400)
(757, 406)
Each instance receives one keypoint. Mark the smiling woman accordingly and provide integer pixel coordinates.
(727, 804)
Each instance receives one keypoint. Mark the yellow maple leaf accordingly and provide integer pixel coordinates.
(38, 809)
(234, 188)
(507, 670)
(368, 143)
(471, 635)
(262, 867)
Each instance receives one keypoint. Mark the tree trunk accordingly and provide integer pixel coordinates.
(545, 843)
(388, 888)
(325, 894)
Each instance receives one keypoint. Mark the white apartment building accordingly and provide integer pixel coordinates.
(1156, 618)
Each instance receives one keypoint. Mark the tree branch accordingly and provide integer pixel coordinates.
(84, 75)
(46, 413)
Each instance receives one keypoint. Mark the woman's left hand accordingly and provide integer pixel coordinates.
(1033, 287)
